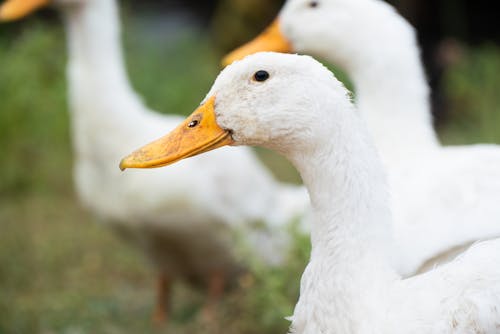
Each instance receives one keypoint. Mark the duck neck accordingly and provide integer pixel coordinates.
(96, 69)
(392, 93)
(348, 272)
(101, 101)
(393, 97)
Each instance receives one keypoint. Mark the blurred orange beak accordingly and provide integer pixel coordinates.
(271, 39)
(199, 133)
(15, 9)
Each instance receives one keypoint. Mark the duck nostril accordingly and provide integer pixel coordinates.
(193, 123)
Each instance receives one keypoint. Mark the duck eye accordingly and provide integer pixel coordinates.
(193, 123)
(313, 4)
(261, 76)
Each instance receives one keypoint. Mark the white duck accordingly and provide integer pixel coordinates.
(295, 106)
(183, 217)
(443, 197)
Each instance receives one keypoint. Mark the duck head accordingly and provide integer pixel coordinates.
(268, 99)
(338, 30)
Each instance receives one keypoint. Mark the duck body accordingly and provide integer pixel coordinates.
(184, 218)
(349, 285)
(458, 297)
(443, 196)
(457, 191)
(177, 215)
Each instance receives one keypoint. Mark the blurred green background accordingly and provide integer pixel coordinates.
(63, 272)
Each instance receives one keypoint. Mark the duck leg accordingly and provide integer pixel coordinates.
(216, 285)
(160, 314)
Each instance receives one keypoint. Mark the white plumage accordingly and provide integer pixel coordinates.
(443, 197)
(349, 285)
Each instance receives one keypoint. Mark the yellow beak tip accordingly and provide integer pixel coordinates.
(123, 164)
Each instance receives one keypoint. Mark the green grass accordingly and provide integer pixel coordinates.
(63, 272)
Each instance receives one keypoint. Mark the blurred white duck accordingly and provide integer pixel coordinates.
(181, 217)
(295, 106)
(443, 197)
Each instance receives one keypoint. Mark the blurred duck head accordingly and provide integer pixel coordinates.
(15, 9)
(319, 27)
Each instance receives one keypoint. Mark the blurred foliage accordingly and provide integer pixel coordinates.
(474, 103)
(33, 125)
(60, 271)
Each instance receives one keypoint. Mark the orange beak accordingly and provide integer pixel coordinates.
(15, 9)
(271, 39)
(199, 133)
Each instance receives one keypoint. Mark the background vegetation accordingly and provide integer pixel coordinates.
(63, 272)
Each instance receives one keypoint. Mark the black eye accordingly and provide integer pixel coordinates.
(193, 123)
(313, 4)
(261, 76)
